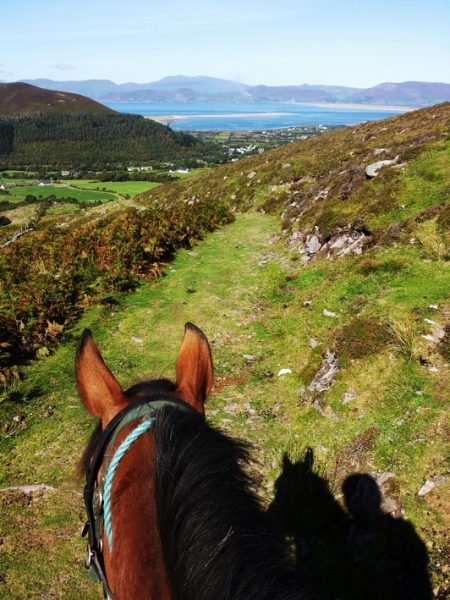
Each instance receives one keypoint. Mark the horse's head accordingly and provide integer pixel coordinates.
(119, 492)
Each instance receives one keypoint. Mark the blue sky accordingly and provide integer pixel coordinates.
(357, 43)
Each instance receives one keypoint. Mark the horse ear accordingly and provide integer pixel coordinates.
(195, 373)
(97, 386)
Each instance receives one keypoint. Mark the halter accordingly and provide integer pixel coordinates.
(97, 495)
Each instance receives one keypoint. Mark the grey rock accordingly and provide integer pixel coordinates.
(326, 411)
(324, 378)
(313, 244)
(348, 396)
(373, 169)
(426, 488)
(297, 237)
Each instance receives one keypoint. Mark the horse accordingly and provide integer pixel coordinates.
(171, 511)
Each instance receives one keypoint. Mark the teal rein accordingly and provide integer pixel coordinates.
(97, 494)
(143, 411)
(118, 455)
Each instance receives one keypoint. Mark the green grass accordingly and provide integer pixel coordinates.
(62, 209)
(62, 192)
(132, 188)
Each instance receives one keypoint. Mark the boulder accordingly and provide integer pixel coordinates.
(373, 169)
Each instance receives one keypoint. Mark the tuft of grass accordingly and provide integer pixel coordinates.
(404, 337)
(273, 277)
(434, 245)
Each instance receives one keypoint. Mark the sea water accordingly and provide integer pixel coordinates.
(251, 116)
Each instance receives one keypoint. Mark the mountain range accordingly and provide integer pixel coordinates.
(181, 88)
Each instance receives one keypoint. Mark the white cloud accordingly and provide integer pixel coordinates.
(63, 67)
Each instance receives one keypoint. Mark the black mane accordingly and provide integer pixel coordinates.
(217, 541)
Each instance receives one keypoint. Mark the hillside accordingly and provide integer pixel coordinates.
(23, 98)
(321, 182)
(326, 303)
(90, 141)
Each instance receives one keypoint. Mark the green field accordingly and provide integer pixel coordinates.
(132, 188)
(17, 173)
(62, 192)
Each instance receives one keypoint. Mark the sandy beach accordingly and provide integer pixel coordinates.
(171, 118)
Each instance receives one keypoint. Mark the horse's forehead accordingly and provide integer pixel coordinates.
(150, 388)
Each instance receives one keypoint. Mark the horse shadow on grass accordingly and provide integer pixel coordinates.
(348, 554)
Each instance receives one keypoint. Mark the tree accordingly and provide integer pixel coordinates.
(4, 221)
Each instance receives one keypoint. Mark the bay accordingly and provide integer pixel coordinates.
(204, 116)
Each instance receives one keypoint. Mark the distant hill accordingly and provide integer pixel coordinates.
(410, 93)
(289, 93)
(97, 88)
(93, 88)
(180, 88)
(202, 84)
(23, 98)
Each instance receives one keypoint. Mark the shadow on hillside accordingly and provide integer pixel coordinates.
(353, 554)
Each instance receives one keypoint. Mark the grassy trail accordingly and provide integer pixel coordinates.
(215, 286)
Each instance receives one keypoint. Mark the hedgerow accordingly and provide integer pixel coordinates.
(48, 276)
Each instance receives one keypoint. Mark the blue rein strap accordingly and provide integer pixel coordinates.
(118, 455)
(97, 494)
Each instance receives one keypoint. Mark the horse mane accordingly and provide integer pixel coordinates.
(217, 541)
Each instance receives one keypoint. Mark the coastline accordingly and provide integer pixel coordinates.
(174, 117)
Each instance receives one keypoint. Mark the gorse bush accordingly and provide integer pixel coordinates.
(48, 276)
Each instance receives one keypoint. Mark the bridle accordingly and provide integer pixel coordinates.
(143, 409)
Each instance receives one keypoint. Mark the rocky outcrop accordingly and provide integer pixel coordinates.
(345, 240)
